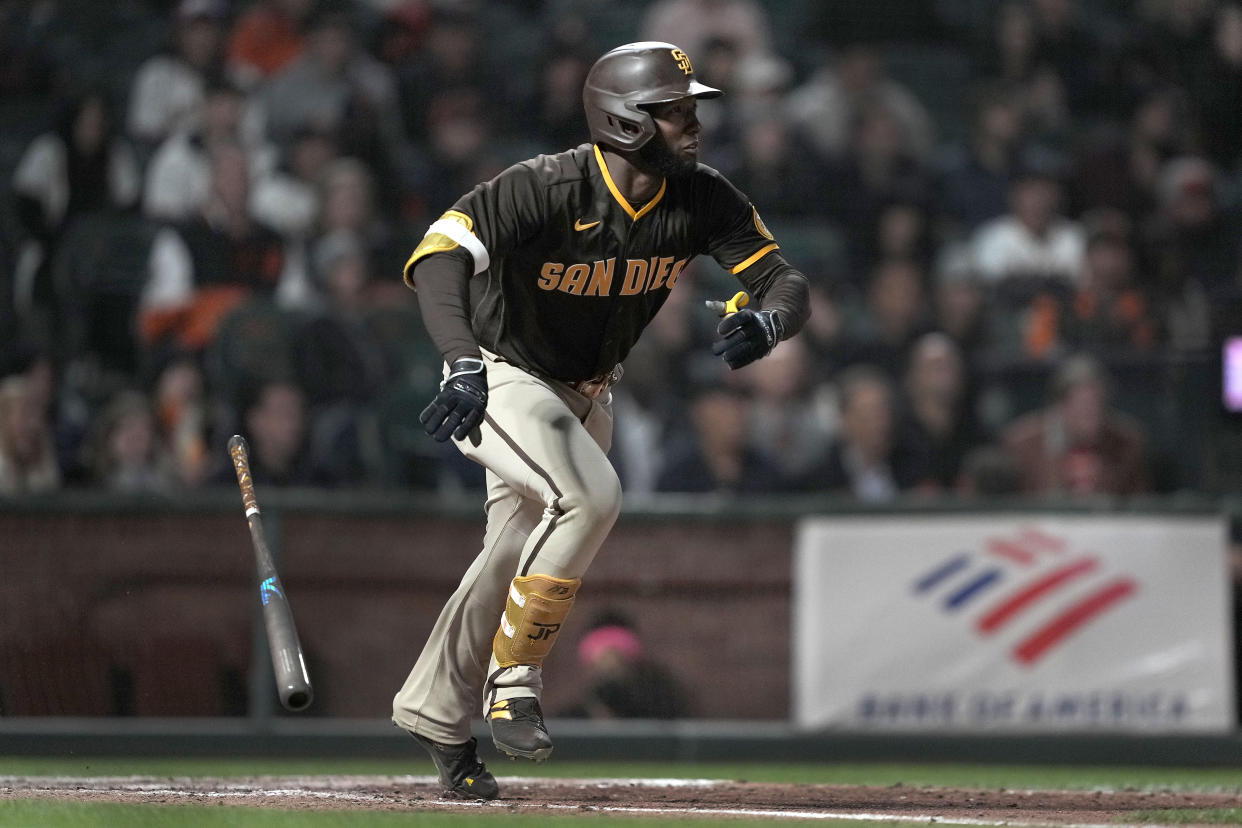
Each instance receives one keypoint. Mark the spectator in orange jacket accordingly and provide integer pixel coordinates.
(268, 37)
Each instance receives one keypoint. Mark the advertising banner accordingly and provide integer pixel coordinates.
(1024, 623)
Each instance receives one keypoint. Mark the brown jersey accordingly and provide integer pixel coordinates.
(567, 272)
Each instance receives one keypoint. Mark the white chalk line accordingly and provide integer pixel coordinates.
(149, 787)
(347, 781)
(844, 815)
(151, 791)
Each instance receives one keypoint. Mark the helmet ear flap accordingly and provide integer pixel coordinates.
(618, 124)
(628, 128)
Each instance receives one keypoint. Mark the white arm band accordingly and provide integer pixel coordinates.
(458, 233)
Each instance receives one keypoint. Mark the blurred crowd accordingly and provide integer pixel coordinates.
(1014, 216)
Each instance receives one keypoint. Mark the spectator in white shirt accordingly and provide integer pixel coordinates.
(78, 168)
(1034, 240)
(178, 178)
(168, 88)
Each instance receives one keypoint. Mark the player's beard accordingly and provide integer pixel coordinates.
(657, 156)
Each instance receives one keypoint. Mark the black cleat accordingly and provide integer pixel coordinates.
(518, 730)
(461, 772)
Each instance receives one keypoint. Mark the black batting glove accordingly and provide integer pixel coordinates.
(459, 406)
(747, 335)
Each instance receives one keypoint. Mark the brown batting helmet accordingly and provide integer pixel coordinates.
(629, 78)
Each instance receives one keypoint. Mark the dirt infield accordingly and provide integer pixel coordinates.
(669, 797)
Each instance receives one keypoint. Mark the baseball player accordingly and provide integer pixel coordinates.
(534, 286)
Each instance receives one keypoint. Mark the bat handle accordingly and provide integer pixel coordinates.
(740, 300)
(240, 452)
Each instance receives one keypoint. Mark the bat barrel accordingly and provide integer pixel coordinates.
(292, 680)
(296, 698)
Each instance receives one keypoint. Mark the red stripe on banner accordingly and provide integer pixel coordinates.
(1067, 622)
(1015, 603)
(1012, 551)
(1037, 537)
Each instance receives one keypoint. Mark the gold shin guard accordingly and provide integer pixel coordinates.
(537, 606)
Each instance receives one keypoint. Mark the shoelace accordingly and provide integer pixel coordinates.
(525, 712)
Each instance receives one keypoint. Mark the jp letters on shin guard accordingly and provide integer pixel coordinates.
(546, 276)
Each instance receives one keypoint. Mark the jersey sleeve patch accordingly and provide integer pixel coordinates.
(760, 226)
(453, 229)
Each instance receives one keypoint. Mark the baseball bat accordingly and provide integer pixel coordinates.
(292, 681)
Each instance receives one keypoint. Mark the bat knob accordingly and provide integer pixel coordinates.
(239, 453)
(740, 300)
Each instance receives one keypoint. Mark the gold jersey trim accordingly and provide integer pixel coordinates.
(635, 215)
(754, 257)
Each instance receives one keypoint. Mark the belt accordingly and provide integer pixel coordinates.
(592, 388)
(596, 387)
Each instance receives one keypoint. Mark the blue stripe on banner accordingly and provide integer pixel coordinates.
(945, 570)
(969, 591)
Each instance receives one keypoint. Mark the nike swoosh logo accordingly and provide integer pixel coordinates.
(578, 225)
